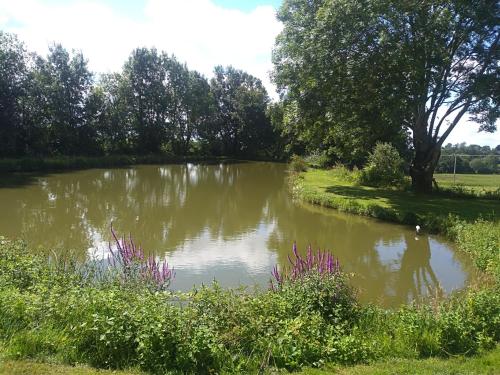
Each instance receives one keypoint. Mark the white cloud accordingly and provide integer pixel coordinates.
(196, 31)
(467, 131)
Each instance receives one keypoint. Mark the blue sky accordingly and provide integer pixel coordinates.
(203, 33)
(247, 5)
(134, 8)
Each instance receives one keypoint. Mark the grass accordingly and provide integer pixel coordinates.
(60, 315)
(488, 363)
(331, 189)
(488, 182)
(35, 368)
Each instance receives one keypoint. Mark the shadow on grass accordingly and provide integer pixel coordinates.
(403, 201)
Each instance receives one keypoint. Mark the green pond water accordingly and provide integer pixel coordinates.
(229, 222)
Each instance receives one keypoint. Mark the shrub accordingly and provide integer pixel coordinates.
(384, 167)
(346, 174)
(318, 160)
(297, 164)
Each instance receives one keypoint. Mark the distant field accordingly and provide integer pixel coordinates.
(475, 181)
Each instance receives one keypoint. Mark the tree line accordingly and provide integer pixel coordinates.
(469, 159)
(55, 105)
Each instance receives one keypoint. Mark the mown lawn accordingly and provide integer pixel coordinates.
(327, 185)
(488, 182)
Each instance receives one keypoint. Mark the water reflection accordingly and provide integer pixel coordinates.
(416, 276)
(231, 222)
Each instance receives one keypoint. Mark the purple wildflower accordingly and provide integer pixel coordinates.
(129, 259)
(321, 262)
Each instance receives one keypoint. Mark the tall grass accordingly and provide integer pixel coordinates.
(56, 313)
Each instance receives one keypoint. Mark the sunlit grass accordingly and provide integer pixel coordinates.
(330, 189)
(488, 363)
(476, 181)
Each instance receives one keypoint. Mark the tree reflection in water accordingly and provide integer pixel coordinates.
(229, 221)
(416, 278)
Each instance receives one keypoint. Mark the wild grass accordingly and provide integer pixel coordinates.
(487, 363)
(56, 314)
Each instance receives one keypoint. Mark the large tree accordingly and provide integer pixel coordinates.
(241, 124)
(63, 83)
(359, 70)
(13, 78)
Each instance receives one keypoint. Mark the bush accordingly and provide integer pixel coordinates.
(344, 173)
(297, 164)
(308, 318)
(384, 167)
(318, 160)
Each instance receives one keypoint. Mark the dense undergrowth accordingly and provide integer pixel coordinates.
(56, 312)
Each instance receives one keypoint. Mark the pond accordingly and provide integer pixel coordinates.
(229, 222)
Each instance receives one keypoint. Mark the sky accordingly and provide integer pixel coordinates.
(202, 33)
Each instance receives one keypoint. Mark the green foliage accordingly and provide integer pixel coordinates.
(384, 167)
(354, 91)
(53, 106)
(297, 164)
(48, 313)
(318, 159)
(485, 156)
(487, 164)
(481, 240)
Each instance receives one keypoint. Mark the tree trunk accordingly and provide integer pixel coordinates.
(422, 169)
(427, 153)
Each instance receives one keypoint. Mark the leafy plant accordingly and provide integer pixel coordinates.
(384, 167)
(132, 263)
(297, 164)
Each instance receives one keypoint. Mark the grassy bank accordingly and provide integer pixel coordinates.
(487, 363)
(335, 189)
(10, 367)
(84, 162)
(61, 314)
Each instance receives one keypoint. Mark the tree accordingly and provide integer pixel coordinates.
(201, 107)
(241, 124)
(147, 99)
(486, 164)
(63, 83)
(406, 65)
(13, 79)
